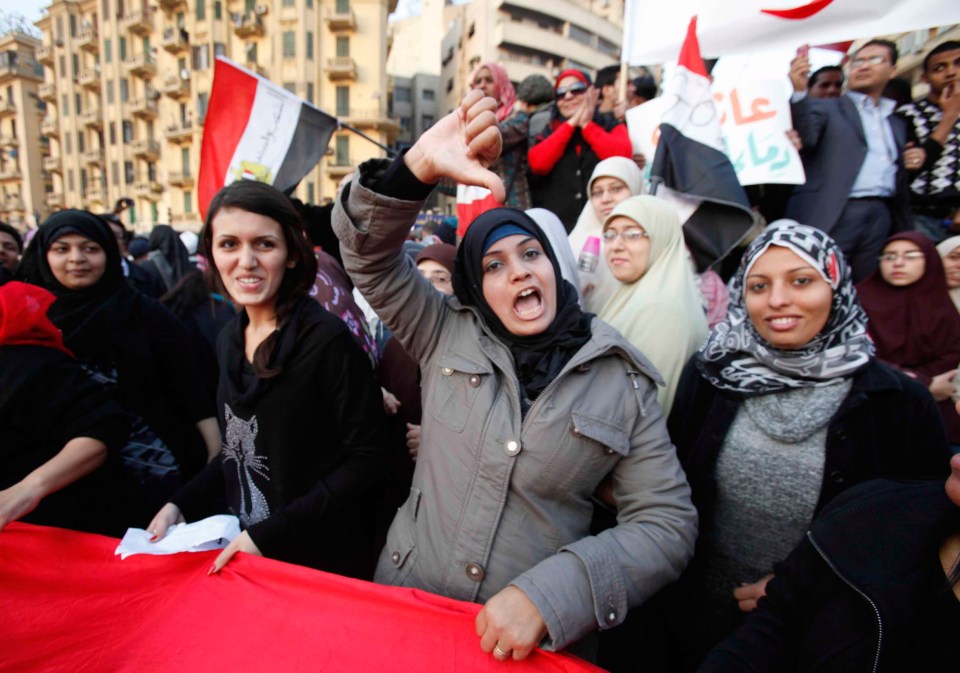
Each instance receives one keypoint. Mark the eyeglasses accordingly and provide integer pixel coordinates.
(574, 90)
(911, 256)
(631, 235)
(868, 60)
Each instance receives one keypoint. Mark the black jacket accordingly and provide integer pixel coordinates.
(302, 450)
(853, 595)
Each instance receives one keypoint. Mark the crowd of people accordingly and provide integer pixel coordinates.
(554, 414)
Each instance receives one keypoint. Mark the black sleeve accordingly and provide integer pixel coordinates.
(352, 397)
(201, 496)
(396, 182)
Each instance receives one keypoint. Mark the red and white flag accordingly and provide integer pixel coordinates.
(256, 130)
(691, 170)
(472, 201)
(653, 29)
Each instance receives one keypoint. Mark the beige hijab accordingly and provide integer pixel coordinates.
(945, 248)
(589, 224)
(661, 313)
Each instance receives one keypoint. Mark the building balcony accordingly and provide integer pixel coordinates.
(174, 40)
(176, 87)
(372, 118)
(52, 165)
(182, 180)
(137, 22)
(141, 65)
(144, 108)
(145, 149)
(92, 156)
(341, 68)
(337, 169)
(92, 118)
(13, 203)
(48, 92)
(340, 21)
(179, 134)
(45, 54)
(88, 40)
(147, 189)
(7, 107)
(185, 218)
(10, 173)
(50, 127)
(90, 79)
(93, 196)
(9, 141)
(54, 199)
(249, 25)
(170, 5)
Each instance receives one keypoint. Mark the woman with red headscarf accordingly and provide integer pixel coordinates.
(562, 157)
(913, 321)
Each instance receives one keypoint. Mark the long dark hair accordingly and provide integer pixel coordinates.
(263, 199)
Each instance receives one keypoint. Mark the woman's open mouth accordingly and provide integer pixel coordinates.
(529, 304)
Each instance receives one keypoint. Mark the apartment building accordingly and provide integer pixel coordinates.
(127, 84)
(23, 180)
(527, 37)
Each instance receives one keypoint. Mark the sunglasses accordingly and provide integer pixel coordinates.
(573, 90)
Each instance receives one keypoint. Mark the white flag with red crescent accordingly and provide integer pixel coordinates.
(654, 31)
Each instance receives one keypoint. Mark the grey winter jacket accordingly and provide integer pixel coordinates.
(497, 500)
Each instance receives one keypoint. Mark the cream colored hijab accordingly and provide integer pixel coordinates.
(589, 224)
(661, 313)
(945, 248)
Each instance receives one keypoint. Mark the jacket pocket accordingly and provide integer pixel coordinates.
(455, 389)
(613, 437)
(399, 555)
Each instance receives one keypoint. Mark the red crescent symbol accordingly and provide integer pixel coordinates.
(798, 13)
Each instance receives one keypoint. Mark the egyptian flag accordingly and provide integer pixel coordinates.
(753, 26)
(472, 201)
(691, 169)
(256, 130)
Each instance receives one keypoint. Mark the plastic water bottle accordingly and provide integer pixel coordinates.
(589, 256)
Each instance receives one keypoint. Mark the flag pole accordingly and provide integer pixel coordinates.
(390, 153)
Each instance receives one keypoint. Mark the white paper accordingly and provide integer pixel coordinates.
(214, 532)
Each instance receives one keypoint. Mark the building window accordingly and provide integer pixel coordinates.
(67, 143)
(309, 4)
(114, 173)
(113, 137)
(401, 94)
(127, 129)
(251, 49)
(78, 100)
(289, 3)
(342, 156)
(201, 10)
(70, 180)
(428, 94)
(343, 101)
(81, 144)
(405, 124)
(426, 121)
(124, 91)
(83, 180)
(343, 6)
(151, 171)
(73, 25)
(311, 195)
(107, 50)
(289, 44)
(202, 100)
(75, 65)
(343, 46)
(217, 10)
(200, 56)
(188, 202)
(185, 160)
(310, 95)
(310, 45)
(582, 36)
(122, 48)
(291, 87)
(109, 92)
(219, 49)
(63, 67)
(106, 12)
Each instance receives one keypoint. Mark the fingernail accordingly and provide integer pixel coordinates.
(213, 570)
(153, 539)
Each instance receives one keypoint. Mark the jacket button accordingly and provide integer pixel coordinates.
(576, 432)
(474, 380)
(578, 195)
(446, 371)
(512, 447)
(836, 476)
(611, 617)
(475, 572)
(608, 451)
(395, 557)
(578, 171)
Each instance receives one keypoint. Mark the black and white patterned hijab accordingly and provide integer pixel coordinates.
(736, 358)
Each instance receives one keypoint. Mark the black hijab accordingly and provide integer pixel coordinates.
(86, 317)
(164, 239)
(540, 357)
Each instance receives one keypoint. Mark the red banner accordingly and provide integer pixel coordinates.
(68, 604)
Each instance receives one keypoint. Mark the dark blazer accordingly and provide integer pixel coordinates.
(851, 596)
(834, 147)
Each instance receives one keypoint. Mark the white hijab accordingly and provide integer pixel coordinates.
(557, 235)
(945, 248)
(589, 224)
(661, 313)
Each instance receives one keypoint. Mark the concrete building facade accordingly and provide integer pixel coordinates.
(23, 150)
(127, 84)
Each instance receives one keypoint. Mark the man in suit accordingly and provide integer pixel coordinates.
(853, 155)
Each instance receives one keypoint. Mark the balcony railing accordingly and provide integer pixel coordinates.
(89, 40)
(341, 68)
(145, 108)
(52, 165)
(141, 65)
(146, 149)
(340, 20)
(137, 21)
